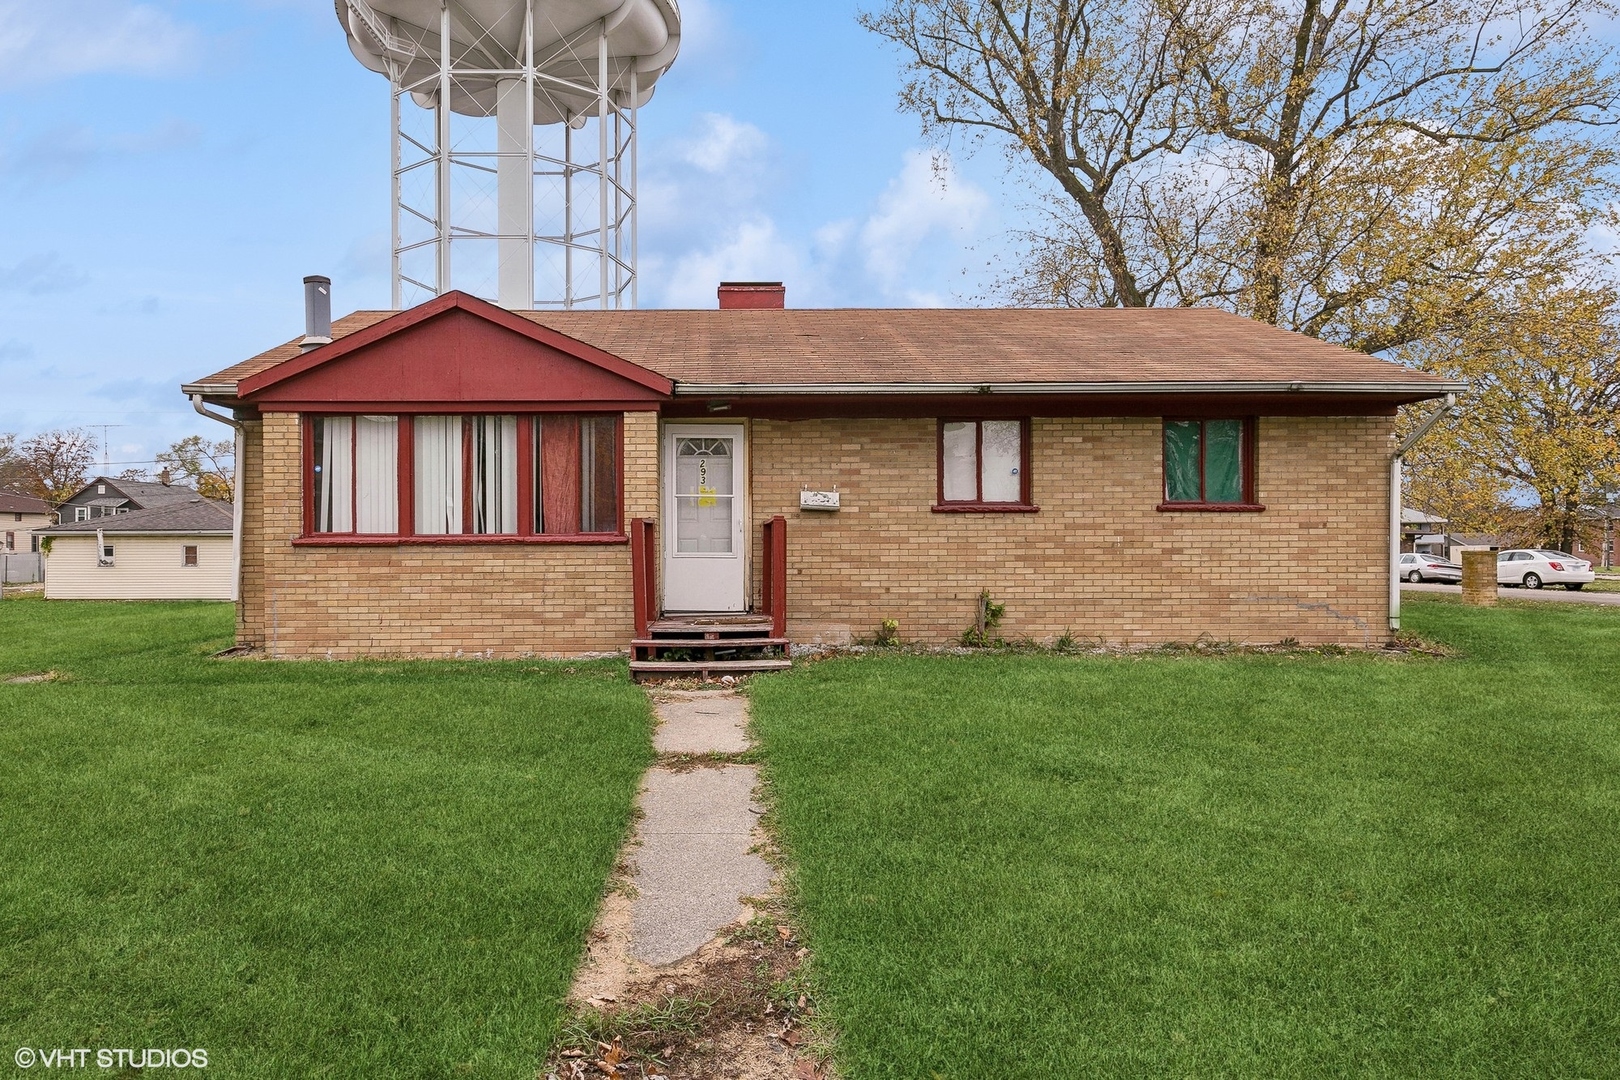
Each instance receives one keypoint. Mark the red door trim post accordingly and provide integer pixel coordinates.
(779, 572)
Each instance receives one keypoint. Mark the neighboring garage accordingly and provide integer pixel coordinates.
(181, 551)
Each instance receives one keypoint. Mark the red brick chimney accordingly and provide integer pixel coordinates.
(752, 294)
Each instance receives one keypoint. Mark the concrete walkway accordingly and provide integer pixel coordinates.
(1551, 592)
(694, 861)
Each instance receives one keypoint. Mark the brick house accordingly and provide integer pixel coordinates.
(460, 479)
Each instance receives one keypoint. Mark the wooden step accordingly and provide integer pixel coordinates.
(710, 643)
(640, 668)
(704, 624)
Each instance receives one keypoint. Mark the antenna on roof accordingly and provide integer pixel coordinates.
(106, 458)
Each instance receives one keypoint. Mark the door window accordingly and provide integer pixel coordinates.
(704, 490)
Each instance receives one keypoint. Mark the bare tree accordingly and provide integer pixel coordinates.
(1366, 173)
(11, 463)
(1091, 91)
(57, 463)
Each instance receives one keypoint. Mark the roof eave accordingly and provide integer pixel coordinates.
(227, 389)
(1378, 389)
(57, 530)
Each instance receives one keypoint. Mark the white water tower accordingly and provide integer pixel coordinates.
(514, 141)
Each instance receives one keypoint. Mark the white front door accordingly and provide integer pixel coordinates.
(705, 474)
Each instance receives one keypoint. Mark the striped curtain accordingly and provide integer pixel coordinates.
(494, 445)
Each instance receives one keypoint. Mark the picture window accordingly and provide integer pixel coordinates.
(555, 474)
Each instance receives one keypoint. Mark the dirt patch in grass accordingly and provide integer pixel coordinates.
(33, 677)
(1403, 645)
(738, 1008)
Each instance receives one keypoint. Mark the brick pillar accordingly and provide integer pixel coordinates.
(1479, 578)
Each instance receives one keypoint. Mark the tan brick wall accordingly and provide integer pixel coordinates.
(422, 600)
(1097, 560)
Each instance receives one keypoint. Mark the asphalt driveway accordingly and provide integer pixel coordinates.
(1551, 592)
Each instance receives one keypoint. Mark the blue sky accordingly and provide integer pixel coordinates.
(169, 171)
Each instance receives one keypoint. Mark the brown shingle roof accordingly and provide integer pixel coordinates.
(911, 346)
(144, 493)
(195, 515)
(12, 503)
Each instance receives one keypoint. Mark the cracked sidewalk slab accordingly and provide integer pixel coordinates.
(695, 862)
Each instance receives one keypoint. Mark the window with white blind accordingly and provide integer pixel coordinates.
(438, 475)
(466, 474)
(356, 474)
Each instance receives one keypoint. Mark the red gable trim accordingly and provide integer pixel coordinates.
(405, 320)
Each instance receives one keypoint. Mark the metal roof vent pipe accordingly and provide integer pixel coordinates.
(317, 312)
(736, 295)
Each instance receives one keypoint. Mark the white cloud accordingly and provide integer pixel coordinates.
(43, 42)
(927, 198)
(709, 215)
(704, 181)
(751, 250)
(723, 143)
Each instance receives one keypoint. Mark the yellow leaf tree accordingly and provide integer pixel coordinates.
(210, 466)
(1536, 442)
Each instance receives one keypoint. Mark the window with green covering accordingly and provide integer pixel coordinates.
(1209, 464)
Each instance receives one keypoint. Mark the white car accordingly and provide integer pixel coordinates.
(1416, 567)
(1535, 567)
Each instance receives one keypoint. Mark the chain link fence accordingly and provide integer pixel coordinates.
(21, 567)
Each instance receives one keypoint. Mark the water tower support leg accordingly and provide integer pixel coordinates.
(603, 103)
(393, 154)
(442, 126)
(514, 179)
(635, 95)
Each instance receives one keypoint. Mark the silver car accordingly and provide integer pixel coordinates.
(1535, 567)
(1415, 566)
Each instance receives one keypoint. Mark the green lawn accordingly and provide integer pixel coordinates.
(307, 869)
(1255, 866)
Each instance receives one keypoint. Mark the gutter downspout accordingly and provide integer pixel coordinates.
(1395, 463)
(236, 491)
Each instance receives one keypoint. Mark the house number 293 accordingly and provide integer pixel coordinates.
(705, 492)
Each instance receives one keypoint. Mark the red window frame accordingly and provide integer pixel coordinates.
(979, 505)
(1250, 503)
(406, 478)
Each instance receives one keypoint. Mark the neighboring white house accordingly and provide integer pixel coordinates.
(181, 551)
(20, 515)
